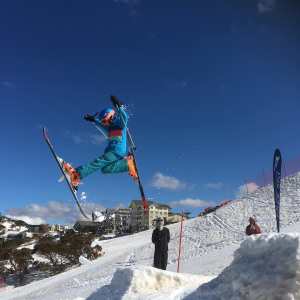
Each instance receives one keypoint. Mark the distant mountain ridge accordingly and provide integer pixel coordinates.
(4, 221)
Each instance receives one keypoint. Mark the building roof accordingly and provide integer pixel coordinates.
(139, 203)
(123, 209)
(87, 223)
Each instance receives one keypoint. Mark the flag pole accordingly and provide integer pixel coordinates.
(180, 240)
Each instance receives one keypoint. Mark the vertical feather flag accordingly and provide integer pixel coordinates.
(277, 161)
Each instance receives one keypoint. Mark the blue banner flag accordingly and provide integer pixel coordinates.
(277, 161)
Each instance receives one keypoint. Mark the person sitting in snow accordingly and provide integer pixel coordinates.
(113, 122)
(252, 228)
(160, 238)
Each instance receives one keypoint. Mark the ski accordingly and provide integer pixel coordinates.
(56, 157)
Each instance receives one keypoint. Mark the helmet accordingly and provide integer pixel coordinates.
(104, 112)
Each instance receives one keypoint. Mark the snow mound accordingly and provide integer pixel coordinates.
(264, 267)
(151, 280)
(147, 283)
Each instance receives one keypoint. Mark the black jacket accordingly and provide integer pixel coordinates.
(161, 238)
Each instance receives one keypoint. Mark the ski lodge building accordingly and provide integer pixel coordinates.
(141, 221)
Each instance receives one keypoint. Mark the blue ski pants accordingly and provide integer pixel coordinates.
(108, 163)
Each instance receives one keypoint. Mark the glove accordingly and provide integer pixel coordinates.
(89, 118)
(115, 101)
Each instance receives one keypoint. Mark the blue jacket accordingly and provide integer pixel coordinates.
(116, 132)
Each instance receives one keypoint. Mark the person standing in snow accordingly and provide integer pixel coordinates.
(252, 228)
(113, 123)
(160, 238)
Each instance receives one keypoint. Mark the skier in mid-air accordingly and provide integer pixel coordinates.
(113, 123)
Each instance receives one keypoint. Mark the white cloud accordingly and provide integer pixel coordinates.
(190, 202)
(247, 188)
(161, 181)
(214, 185)
(265, 6)
(29, 220)
(55, 210)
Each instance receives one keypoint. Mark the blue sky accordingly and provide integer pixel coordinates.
(212, 89)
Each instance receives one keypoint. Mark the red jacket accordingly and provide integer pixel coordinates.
(252, 229)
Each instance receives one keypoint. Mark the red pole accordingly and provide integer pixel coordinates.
(180, 238)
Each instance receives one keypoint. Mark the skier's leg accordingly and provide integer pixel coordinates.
(109, 163)
(97, 164)
(121, 165)
(117, 166)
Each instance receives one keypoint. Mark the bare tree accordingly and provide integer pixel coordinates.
(20, 261)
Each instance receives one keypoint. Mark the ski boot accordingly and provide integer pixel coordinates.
(132, 171)
(72, 174)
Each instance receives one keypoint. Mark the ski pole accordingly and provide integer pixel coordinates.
(133, 147)
(100, 130)
(116, 103)
(132, 144)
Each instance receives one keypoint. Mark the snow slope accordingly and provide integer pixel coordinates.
(264, 267)
(208, 246)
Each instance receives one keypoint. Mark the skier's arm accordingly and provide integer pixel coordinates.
(122, 116)
(90, 118)
(94, 119)
(120, 109)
